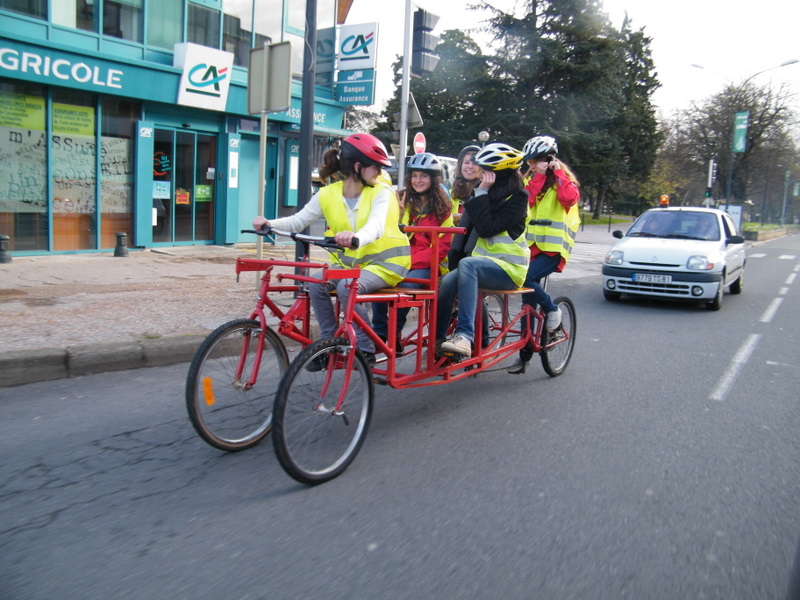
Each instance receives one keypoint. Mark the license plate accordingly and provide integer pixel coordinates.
(648, 278)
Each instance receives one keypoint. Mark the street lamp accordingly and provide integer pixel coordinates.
(740, 122)
(483, 136)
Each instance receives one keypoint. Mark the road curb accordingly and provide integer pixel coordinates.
(31, 366)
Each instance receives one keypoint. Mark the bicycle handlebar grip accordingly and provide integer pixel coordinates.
(354, 243)
(540, 222)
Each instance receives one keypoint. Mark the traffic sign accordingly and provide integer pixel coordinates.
(419, 143)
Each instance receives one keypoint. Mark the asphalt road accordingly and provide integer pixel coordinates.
(662, 464)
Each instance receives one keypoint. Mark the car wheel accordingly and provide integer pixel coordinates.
(612, 296)
(716, 303)
(736, 286)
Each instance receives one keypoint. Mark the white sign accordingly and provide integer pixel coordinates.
(206, 76)
(358, 46)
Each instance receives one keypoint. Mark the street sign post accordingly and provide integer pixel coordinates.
(419, 143)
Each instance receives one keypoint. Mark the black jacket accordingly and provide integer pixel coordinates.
(484, 217)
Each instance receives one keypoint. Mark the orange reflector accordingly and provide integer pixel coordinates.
(208, 391)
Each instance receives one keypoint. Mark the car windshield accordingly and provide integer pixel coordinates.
(687, 225)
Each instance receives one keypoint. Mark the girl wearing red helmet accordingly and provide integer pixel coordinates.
(356, 205)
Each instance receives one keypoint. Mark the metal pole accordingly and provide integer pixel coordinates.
(307, 113)
(730, 181)
(262, 181)
(403, 140)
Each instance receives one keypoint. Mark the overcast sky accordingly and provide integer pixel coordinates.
(731, 39)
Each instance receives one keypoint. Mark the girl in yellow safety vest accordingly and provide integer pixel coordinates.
(497, 210)
(358, 206)
(552, 194)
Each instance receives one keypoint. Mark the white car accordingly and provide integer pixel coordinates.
(679, 253)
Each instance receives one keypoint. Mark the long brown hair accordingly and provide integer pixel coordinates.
(462, 188)
(434, 200)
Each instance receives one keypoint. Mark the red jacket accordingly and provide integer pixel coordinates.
(421, 242)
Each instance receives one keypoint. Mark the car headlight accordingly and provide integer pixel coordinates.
(699, 263)
(614, 257)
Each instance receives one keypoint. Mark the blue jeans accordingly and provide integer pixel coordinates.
(541, 266)
(473, 273)
(319, 294)
(380, 310)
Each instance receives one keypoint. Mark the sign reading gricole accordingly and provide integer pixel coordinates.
(45, 66)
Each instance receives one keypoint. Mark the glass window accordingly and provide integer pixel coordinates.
(298, 44)
(237, 28)
(77, 14)
(165, 23)
(184, 185)
(32, 8)
(203, 26)
(74, 172)
(162, 185)
(204, 187)
(23, 166)
(123, 18)
(116, 169)
(296, 16)
(268, 19)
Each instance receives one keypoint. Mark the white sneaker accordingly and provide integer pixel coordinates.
(553, 320)
(457, 344)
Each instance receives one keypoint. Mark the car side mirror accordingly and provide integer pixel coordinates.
(735, 239)
(618, 234)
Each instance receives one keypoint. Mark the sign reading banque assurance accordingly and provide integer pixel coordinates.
(206, 76)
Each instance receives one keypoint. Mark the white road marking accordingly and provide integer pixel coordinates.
(759, 255)
(787, 257)
(771, 309)
(783, 291)
(736, 365)
(790, 279)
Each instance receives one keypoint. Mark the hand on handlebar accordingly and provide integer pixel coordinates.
(261, 224)
(346, 239)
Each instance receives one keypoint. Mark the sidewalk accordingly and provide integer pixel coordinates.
(71, 315)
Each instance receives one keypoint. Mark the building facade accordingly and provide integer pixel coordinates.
(131, 116)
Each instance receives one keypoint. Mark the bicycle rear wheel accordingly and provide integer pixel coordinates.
(555, 358)
(224, 410)
(314, 441)
(495, 317)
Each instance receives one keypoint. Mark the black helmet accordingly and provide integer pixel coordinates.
(467, 149)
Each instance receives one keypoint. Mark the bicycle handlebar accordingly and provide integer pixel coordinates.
(540, 222)
(321, 241)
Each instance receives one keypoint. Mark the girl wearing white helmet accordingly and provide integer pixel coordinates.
(358, 205)
(425, 203)
(496, 210)
(552, 194)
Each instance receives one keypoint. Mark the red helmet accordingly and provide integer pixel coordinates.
(364, 147)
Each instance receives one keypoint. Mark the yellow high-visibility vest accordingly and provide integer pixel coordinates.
(388, 257)
(559, 236)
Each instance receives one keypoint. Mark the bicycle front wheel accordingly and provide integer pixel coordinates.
(558, 345)
(225, 410)
(315, 437)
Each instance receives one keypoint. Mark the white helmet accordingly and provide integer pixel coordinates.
(425, 162)
(541, 145)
